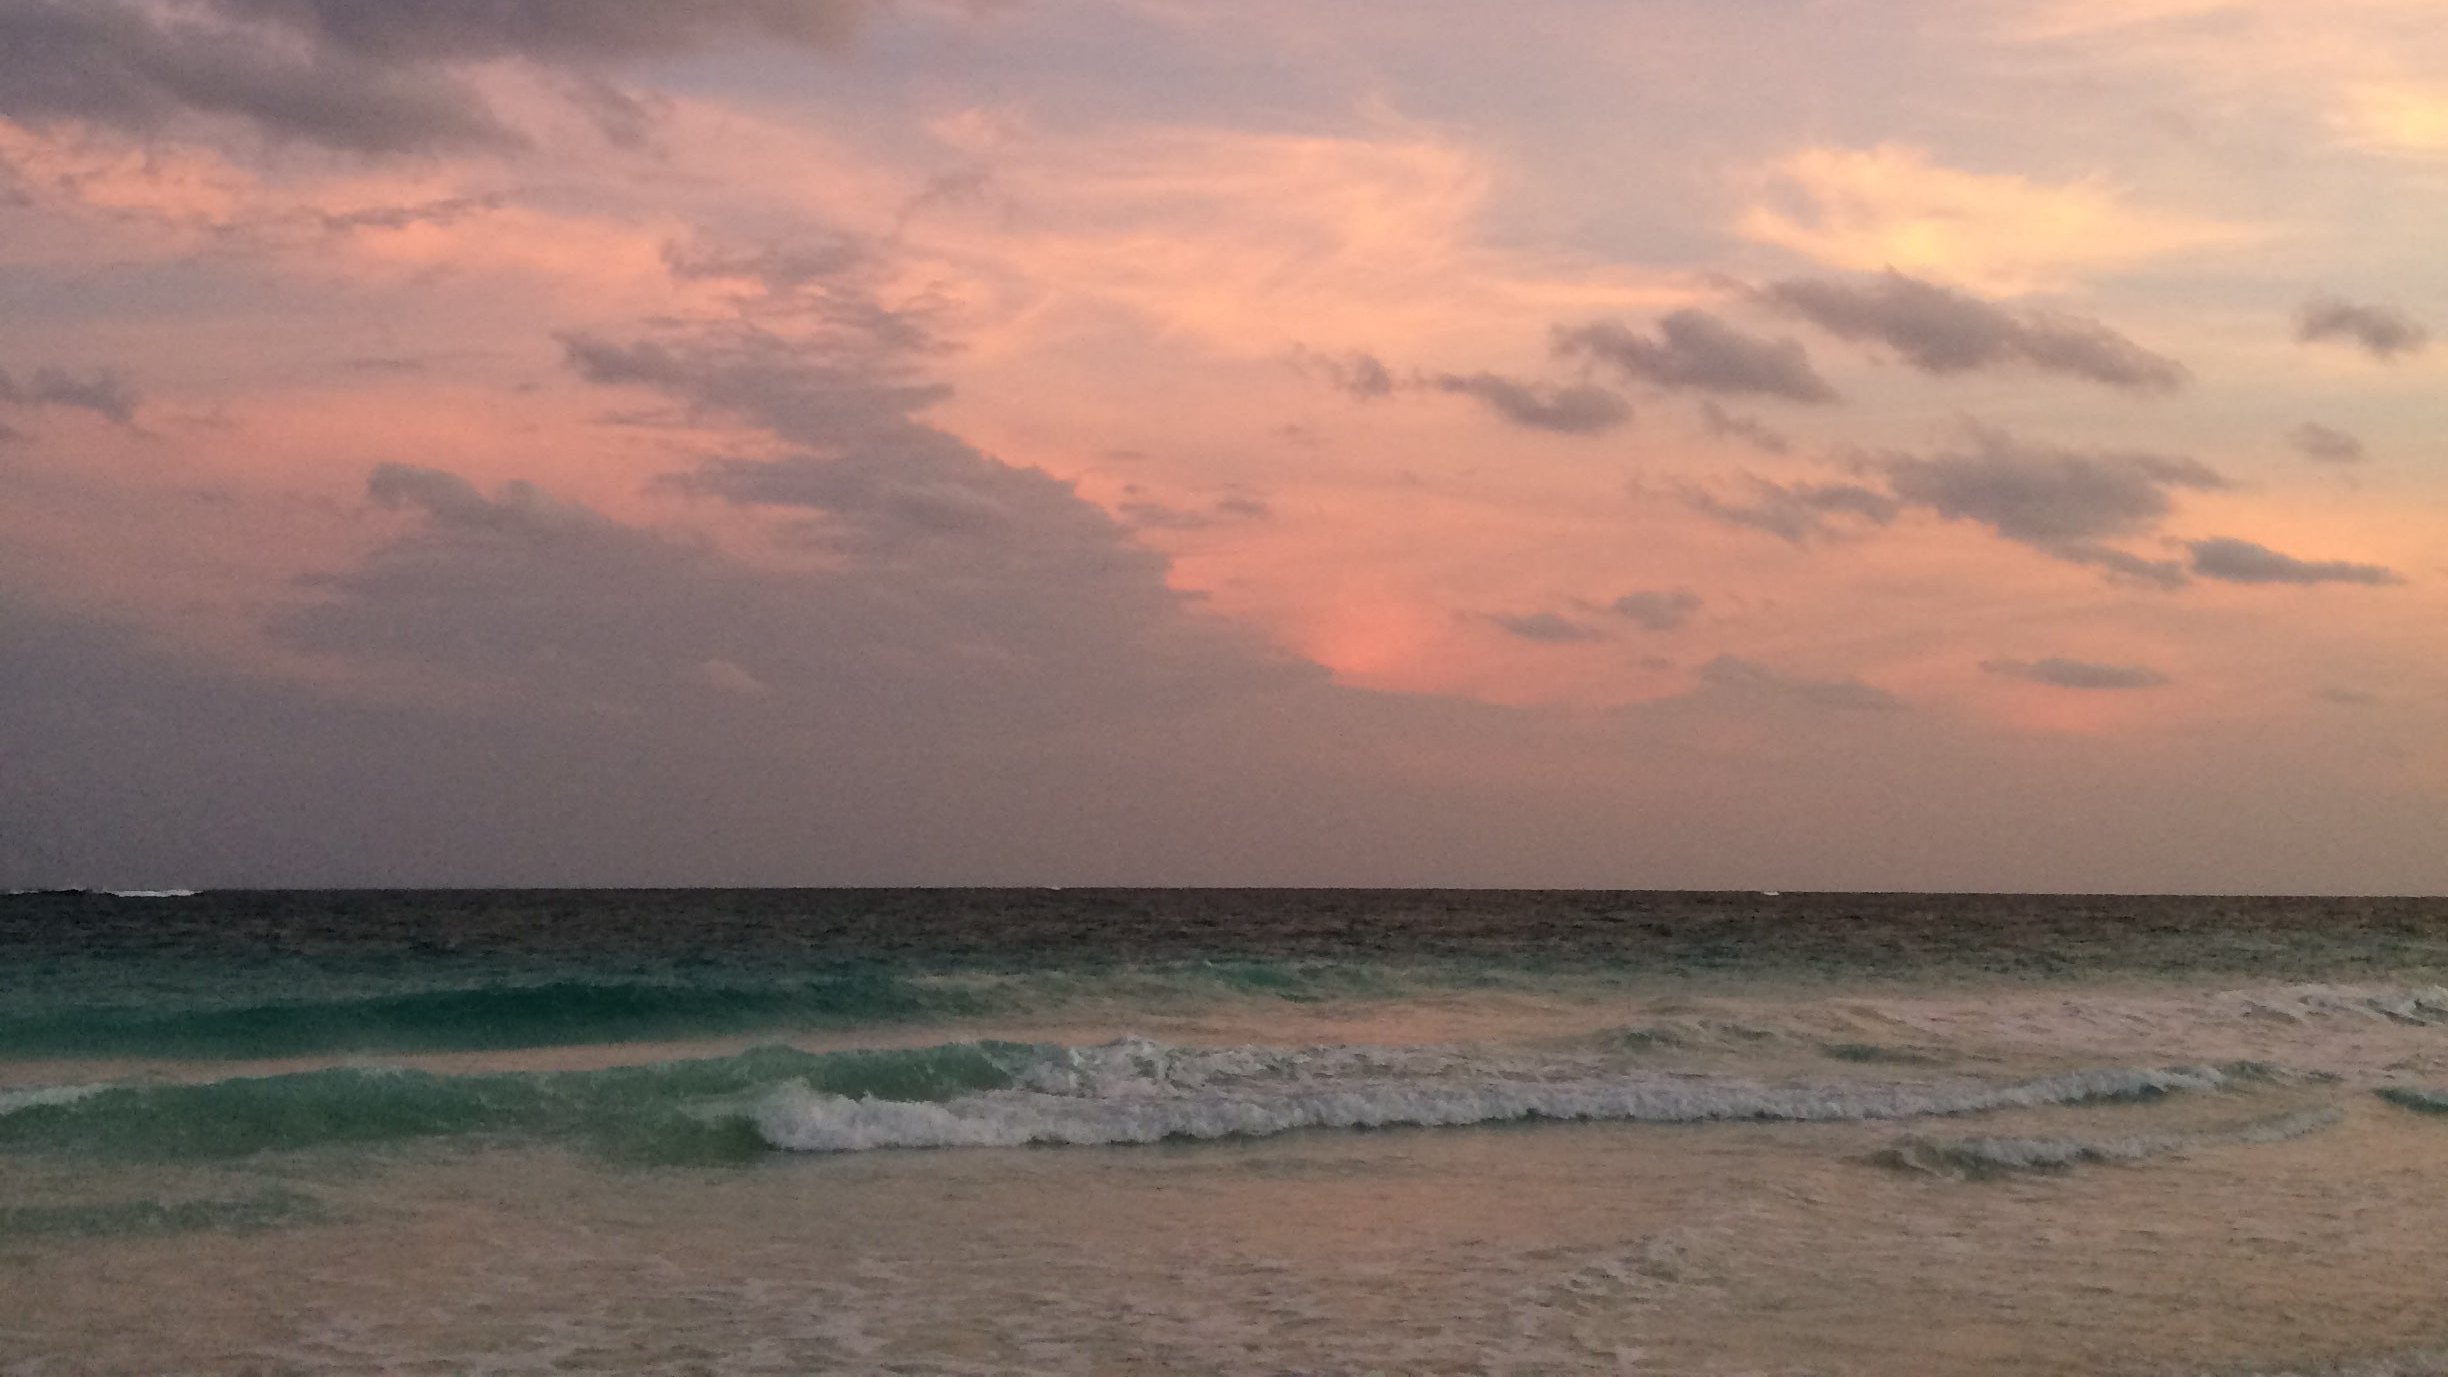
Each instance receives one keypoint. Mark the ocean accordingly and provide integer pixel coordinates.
(1200, 1131)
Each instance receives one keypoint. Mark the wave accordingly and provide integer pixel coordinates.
(973, 1094)
(149, 1218)
(480, 1019)
(813, 1121)
(668, 1112)
(2416, 1098)
(1978, 1157)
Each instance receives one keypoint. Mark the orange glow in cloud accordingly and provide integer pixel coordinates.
(1893, 207)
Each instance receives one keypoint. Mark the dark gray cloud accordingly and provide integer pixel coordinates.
(2045, 496)
(550, 30)
(371, 76)
(1657, 609)
(1798, 512)
(2241, 561)
(1745, 680)
(1362, 375)
(778, 269)
(807, 395)
(1939, 330)
(2384, 332)
(1748, 429)
(2325, 444)
(1695, 351)
(1551, 628)
(2124, 565)
(1569, 410)
(2077, 674)
(139, 68)
(2067, 503)
(105, 392)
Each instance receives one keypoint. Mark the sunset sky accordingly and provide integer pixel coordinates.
(1674, 443)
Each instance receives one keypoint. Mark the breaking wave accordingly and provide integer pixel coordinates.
(974, 1094)
(668, 1112)
(1136, 1091)
(1996, 1156)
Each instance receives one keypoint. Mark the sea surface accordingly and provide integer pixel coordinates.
(1205, 1131)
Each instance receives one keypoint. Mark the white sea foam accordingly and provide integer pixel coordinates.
(13, 1100)
(1141, 1092)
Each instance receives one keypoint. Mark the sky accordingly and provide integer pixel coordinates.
(1799, 444)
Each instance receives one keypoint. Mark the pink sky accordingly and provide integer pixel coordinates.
(1790, 445)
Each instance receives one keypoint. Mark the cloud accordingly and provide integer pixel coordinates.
(550, 30)
(1891, 207)
(2325, 445)
(1570, 410)
(2383, 332)
(2050, 498)
(2124, 564)
(1546, 627)
(1939, 330)
(1656, 609)
(139, 69)
(2241, 561)
(1696, 351)
(2065, 503)
(367, 76)
(105, 392)
(2076, 674)
(803, 392)
(1746, 680)
(1749, 429)
(1798, 512)
(1360, 374)
(1147, 515)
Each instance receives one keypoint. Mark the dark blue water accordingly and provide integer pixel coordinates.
(267, 973)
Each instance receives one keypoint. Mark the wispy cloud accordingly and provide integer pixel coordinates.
(1657, 609)
(105, 392)
(2325, 444)
(2384, 332)
(1797, 512)
(1939, 330)
(1572, 409)
(1746, 680)
(2241, 561)
(2077, 674)
(1695, 351)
